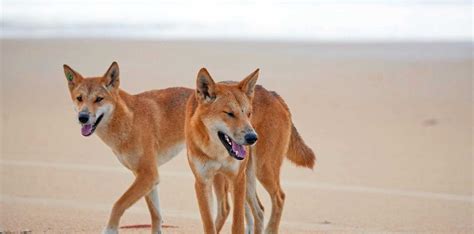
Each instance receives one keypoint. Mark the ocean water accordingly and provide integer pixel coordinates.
(305, 20)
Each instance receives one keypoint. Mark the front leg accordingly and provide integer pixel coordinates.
(144, 181)
(238, 224)
(221, 189)
(153, 203)
(204, 197)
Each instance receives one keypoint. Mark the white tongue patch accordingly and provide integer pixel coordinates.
(86, 129)
(238, 149)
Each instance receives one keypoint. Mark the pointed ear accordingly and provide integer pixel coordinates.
(73, 78)
(205, 86)
(112, 77)
(248, 84)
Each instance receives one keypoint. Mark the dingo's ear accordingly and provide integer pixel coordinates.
(112, 77)
(248, 84)
(73, 77)
(205, 86)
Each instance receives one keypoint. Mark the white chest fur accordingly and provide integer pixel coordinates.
(168, 154)
(207, 169)
(129, 161)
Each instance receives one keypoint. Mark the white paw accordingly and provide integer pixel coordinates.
(109, 231)
(248, 231)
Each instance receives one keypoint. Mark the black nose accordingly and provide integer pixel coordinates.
(250, 138)
(83, 117)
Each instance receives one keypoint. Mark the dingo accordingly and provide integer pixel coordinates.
(144, 131)
(225, 119)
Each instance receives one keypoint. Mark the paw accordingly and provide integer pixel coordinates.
(110, 231)
(249, 225)
(270, 231)
(248, 230)
(157, 231)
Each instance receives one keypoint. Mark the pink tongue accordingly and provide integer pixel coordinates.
(86, 129)
(238, 149)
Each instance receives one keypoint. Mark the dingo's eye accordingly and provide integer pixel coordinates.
(99, 99)
(79, 99)
(249, 114)
(230, 114)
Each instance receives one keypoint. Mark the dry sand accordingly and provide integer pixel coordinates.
(390, 123)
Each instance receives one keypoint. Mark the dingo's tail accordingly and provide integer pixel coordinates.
(298, 152)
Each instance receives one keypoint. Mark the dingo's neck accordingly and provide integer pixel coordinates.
(115, 130)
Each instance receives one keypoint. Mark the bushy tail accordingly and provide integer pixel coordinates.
(298, 152)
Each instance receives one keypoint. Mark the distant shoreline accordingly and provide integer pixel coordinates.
(398, 50)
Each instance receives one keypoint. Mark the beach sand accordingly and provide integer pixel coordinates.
(391, 125)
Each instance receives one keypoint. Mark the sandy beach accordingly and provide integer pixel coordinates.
(391, 125)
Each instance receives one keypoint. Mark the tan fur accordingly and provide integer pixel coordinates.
(207, 113)
(271, 119)
(143, 130)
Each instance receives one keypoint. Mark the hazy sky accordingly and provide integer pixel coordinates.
(279, 20)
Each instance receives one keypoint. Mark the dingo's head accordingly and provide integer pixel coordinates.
(225, 109)
(94, 98)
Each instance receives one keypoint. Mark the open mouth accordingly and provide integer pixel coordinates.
(235, 150)
(88, 129)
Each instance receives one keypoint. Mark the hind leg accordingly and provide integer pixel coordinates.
(270, 179)
(270, 152)
(253, 205)
(221, 189)
(248, 219)
(268, 165)
(153, 202)
(254, 214)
